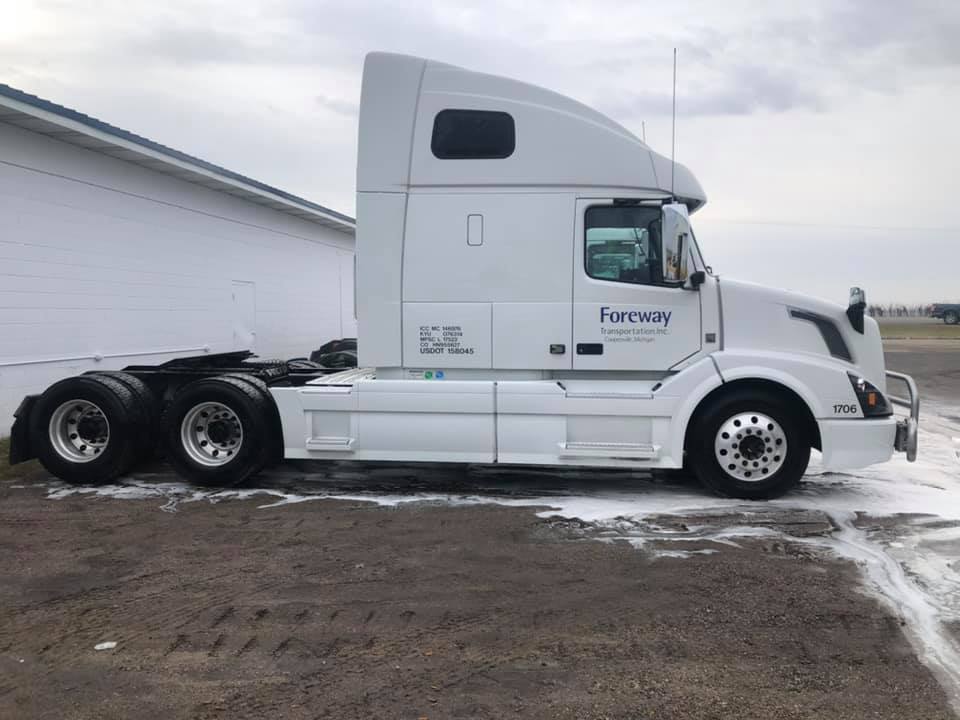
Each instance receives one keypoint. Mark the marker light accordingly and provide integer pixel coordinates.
(873, 403)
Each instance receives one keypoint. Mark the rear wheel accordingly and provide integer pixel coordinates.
(276, 437)
(148, 410)
(749, 445)
(951, 317)
(86, 429)
(219, 431)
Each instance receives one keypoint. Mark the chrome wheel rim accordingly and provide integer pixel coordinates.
(750, 446)
(211, 434)
(79, 431)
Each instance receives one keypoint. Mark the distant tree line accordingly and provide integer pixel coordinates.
(896, 310)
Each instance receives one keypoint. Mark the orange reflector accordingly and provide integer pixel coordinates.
(871, 399)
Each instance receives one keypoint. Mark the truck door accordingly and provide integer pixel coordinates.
(625, 317)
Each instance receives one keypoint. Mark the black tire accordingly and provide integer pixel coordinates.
(304, 365)
(339, 359)
(254, 414)
(338, 345)
(148, 408)
(951, 318)
(122, 412)
(276, 438)
(334, 346)
(706, 430)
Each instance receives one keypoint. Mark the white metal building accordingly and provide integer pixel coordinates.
(115, 250)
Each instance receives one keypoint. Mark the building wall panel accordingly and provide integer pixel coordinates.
(99, 257)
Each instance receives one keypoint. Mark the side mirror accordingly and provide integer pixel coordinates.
(856, 308)
(676, 244)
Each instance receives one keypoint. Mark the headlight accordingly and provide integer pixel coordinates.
(873, 403)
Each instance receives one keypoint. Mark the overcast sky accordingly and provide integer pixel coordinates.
(824, 132)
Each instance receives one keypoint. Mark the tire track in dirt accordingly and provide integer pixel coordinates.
(174, 618)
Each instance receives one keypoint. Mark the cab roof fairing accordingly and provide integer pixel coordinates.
(559, 141)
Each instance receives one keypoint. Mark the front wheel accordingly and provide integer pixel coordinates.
(951, 318)
(748, 445)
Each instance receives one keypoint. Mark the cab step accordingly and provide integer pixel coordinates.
(331, 444)
(635, 451)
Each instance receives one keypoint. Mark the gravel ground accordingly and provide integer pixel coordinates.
(344, 609)
(935, 365)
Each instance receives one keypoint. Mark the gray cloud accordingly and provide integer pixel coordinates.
(810, 62)
(339, 106)
(922, 32)
(183, 44)
(741, 91)
(765, 63)
(457, 32)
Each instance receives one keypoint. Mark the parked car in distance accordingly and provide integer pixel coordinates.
(950, 312)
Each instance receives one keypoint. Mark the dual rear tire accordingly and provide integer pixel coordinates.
(97, 427)
(221, 430)
(88, 428)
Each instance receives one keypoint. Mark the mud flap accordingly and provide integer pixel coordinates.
(20, 450)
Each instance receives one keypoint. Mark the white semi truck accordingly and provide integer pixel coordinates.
(529, 291)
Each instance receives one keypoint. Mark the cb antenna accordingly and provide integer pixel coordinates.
(673, 129)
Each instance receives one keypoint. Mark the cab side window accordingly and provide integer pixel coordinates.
(623, 244)
(473, 135)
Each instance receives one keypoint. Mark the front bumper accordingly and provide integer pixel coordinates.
(906, 438)
(857, 443)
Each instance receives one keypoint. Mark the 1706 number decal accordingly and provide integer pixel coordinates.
(845, 409)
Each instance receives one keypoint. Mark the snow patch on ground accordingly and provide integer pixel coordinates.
(922, 612)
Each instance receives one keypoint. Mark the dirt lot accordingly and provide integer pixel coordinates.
(337, 608)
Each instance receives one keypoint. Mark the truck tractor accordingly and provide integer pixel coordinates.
(529, 291)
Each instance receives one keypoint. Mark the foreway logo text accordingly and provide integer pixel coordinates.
(635, 317)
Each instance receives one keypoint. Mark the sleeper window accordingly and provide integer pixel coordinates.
(473, 135)
(623, 244)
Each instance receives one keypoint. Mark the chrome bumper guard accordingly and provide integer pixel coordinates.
(906, 437)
